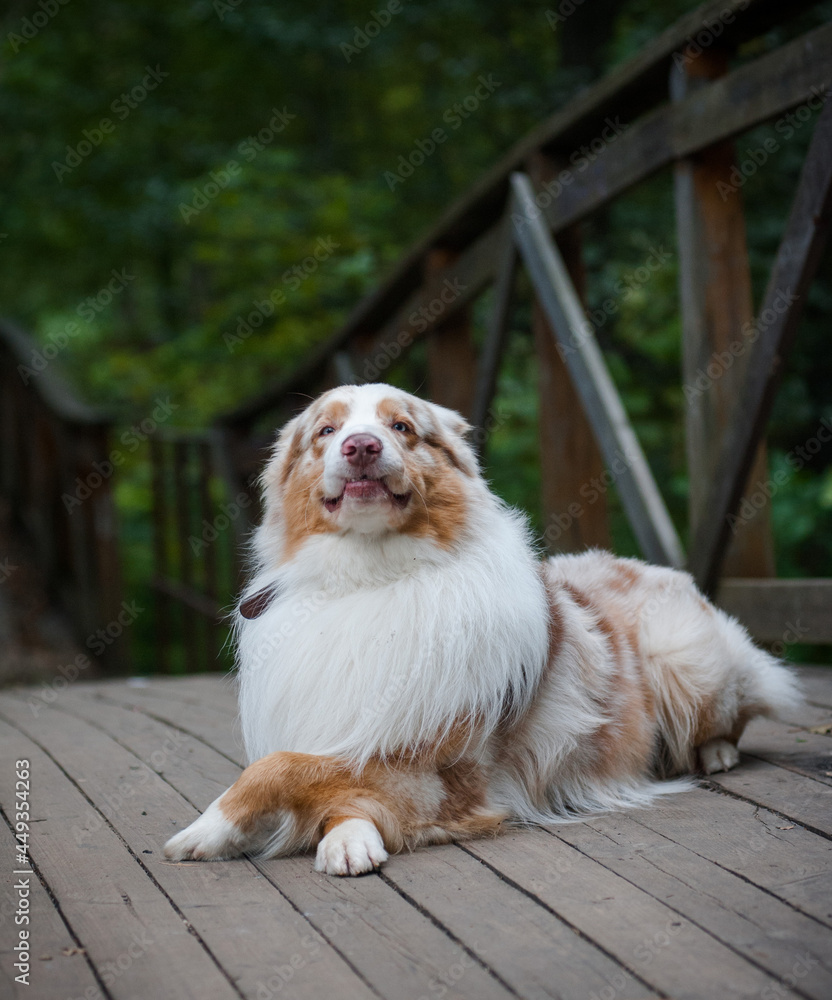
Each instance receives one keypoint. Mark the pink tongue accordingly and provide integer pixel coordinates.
(365, 489)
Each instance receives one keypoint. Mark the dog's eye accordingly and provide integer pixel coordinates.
(401, 426)
(326, 430)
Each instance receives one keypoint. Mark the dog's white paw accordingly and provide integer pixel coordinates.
(718, 755)
(210, 838)
(351, 848)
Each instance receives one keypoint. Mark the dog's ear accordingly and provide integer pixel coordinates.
(453, 429)
(286, 451)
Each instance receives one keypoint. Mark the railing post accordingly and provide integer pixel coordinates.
(569, 456)
(452, 360)
(717, 317)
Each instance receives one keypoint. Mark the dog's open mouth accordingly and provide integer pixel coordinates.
(365, 490)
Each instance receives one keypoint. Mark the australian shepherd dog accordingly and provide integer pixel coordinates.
(411, 673)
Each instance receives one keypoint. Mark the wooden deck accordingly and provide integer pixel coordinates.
(724, 892)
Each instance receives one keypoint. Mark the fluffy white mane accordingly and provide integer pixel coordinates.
(377, 644)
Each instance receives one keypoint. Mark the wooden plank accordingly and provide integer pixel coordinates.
(797, 260)
(747, 839)
(803, 800)
(215, 690)
(753, 923)
(781, 611)
(210, 725)
(495, 337)
(114, 908)
(618, 443)
(717, 316)
(794, 747)
(222, 901)
(451, 354)
(198, 772)
(59, 968)
(662, 947)
(395, 948)
(536, 954)
(817, 684)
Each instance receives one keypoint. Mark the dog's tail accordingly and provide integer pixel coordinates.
(772, 686)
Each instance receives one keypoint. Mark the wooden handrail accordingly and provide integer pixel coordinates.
(626, 92)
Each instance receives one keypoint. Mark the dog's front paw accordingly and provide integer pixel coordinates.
(718, 755)
(351, 848)
(212, 837)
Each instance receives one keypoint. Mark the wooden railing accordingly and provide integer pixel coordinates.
(199, 530)
(56, 478)
(676, 106)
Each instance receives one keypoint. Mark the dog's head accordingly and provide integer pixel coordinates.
(370, 459)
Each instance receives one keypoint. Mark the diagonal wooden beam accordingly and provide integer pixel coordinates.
(577, 344)
(496, 335)
(794, 267)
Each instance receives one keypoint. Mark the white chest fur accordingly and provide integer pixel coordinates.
(376, 645)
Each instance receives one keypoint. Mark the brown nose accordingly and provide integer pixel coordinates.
(361, 449)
